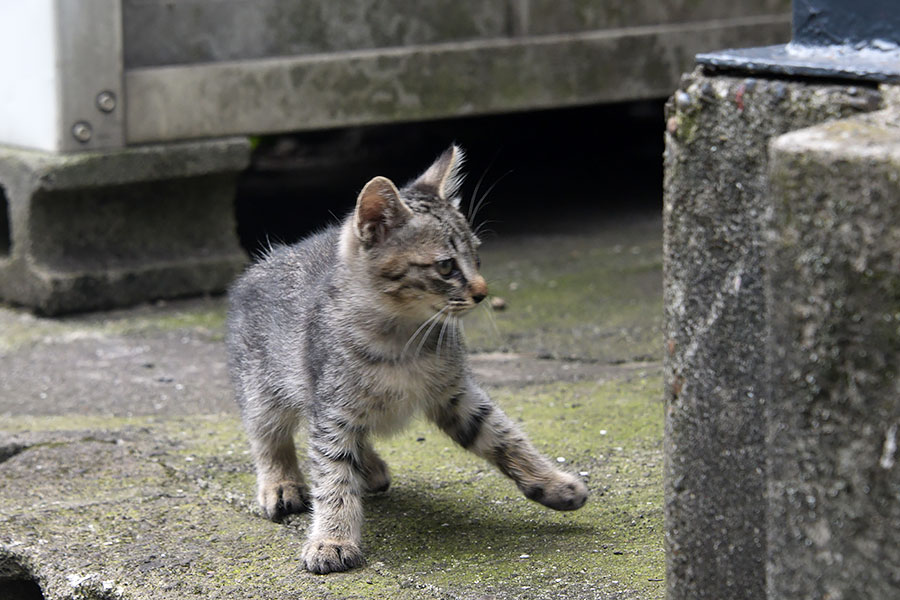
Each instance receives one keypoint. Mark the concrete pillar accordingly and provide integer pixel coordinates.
(834, 412)
(116, 227)
(716, 368)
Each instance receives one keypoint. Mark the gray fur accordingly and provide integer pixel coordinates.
(353, 331)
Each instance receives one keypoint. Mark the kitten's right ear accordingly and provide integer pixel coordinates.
(379, 209)
(445, 175)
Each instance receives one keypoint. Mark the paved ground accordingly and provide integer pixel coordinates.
(124, 471)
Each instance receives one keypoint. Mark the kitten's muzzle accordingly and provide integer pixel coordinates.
(478, 289)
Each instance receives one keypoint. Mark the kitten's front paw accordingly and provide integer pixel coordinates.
(283, 498)
(563, 491)
(330, 555)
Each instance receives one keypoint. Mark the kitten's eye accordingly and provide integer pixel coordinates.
(477, 261)
(444, 267)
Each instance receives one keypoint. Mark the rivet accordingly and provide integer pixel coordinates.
(82, 131)
(106, 101)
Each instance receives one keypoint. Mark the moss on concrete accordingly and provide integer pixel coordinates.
(163, 508)
(205, 316)
(597, 297)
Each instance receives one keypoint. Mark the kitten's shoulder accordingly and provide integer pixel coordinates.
(318, 249)
(286, 268)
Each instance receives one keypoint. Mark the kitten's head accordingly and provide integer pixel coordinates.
(416, 247)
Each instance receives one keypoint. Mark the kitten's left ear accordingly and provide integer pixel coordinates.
(445, 175)
(379, 209)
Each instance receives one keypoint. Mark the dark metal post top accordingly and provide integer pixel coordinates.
(839, 22)
(847, 39)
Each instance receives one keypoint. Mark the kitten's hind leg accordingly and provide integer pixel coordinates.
(477, 424)
(375, 471)
(281, 489)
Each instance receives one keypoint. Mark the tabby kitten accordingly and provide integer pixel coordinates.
(355, 329)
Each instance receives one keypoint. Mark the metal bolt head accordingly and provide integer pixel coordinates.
(106, 101)
(82, 131)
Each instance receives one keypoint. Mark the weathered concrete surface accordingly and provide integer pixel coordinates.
(415, 83)
(834, 411)
(579, 293)
(195, 69)
(716, 382)
(103, 229)
(158, 33)
(124, 472)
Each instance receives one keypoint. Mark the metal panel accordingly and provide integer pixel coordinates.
(28, 101)
(557, 16)
(161, 32)
(61, 64)
(89, 65)
(422, 82)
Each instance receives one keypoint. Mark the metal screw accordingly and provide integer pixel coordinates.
(106, 101)
(82, 131)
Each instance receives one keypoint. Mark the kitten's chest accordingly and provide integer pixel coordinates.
(393, 393)
(414, 381)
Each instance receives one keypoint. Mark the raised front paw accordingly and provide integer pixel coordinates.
(326, 555)
(283, 498)
(563, 491)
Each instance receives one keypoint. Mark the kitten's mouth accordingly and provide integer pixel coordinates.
(459, 307)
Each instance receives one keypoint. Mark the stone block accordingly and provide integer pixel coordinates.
(716, 378)
(834, 411)
(102, 229)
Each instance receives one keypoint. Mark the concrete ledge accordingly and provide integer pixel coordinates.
(834, 413)
(105, 229)
(136, 164)
(716, 377)
(427, 81)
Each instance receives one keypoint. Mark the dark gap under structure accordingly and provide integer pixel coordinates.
(20, 589)
(567, 164)
(16, 581)
(5, 237)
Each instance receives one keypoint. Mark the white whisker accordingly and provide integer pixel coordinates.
(489, 310)
(480, 203)
(421, 327)
(469, 214)
(434, 322)
(455, 331)
(441, 335)
(481, 228)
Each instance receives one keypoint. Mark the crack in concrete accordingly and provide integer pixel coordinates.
(730, 287)
(8, 450)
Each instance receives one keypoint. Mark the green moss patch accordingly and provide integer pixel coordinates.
(596, 296)
(164, 507)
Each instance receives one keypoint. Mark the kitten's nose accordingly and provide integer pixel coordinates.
(478, 289)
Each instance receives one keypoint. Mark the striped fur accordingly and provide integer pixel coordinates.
(354, 330)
